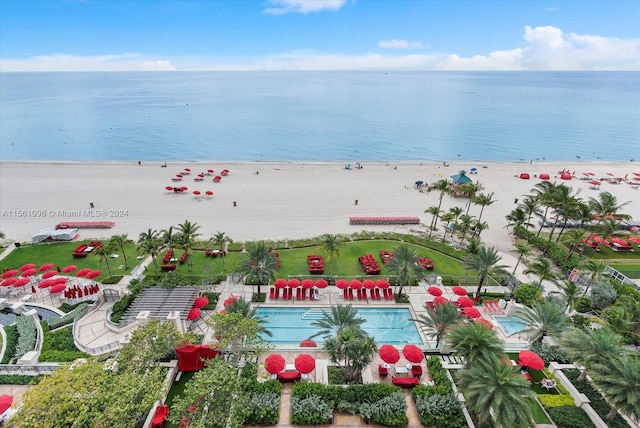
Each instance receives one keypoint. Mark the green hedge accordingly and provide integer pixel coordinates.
(264, 405)
(570, 417)
(19, 379)
(67, 318)
(557, 253)
(27, 335)
(437, 409)
(554, 400)
(58, 346)
(10, 349)
(439, 374)
(112, 279)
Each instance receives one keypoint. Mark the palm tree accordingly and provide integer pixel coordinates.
(446, 218)
(351, 349)
(456, 211)
(435, 212)
(575, 237)
(619, 380)
(590, 347)
(331, 245)
(104, 254)
(542, 268)
(570, 291)
(243, 307)
(485, 263)
(543, 192)
(517, 218)
(594, 269)
(469, 190)
(220, 240)
(562, 201)
(479, 227)
(258, 264)
(473, 246)
(120, 241)
(546, 318)
(466, 221)
(169, 238)
(439, 320)
(149, 243)
(475, 342)
(606, 205)
(338, 318)
(493, 389)
(523, 248)
(531, 207)
(443, 186)
(403, 265)
(483, 199)
(188, 232)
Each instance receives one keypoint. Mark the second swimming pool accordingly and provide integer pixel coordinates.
(290, 326)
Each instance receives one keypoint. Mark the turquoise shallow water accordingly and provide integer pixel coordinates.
(511, 325)
(290, 326)
(322, 116)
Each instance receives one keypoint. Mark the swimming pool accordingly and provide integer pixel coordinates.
(7, 317)
(511, 325)
(290, 326)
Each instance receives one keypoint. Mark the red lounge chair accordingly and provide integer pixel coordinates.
(289, 376)
(388, 294)
(345, 294)
(362, 294)
(405, 382)
(161, 415)
(382, 370)
(416, 370)
(350, 292)
(378, 297)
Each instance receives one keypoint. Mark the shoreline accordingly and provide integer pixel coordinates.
(285, 200)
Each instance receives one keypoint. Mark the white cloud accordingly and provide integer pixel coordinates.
(549, 48)
(282, 7)
(64, 62)
(400, 44)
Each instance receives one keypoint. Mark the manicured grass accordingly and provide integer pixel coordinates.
(176, 390)
(539, 416)
(60, 254)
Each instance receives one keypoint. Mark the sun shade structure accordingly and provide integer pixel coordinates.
(305, 363)
(434, 291)
(461, 177)
(413, 353)
(530, 359)
(389, 354)
(472, 312)
(274, 363)
(280, 283)
(382, 283)
(200, 302)
(194, 314)
(465, 302)
(342, 284)
(69, 269)
(460, 291)
(321, 283)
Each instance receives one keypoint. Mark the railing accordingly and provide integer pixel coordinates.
(619, 276)
(28, 369)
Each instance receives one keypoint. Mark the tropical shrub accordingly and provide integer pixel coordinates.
(556, 400)
(19, 379)
(304, 389)
(527, 294)
(27, 335)
(10, 349)
(263, 409)
(550, 353)
(569, 417)
(366, 393)
(68, 318)
(312, 410)
(441, 410)
(583, 304)
(58, 346)
(602, 295)
(439, 373)
(389, 411)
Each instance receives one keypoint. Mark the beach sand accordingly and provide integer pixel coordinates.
(269, 200)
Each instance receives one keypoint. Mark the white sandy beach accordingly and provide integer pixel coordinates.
(285, 200)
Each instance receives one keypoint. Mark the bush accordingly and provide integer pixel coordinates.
(19, 379)
(602, 295)
(441, 410)
(439, 373)
(550, 353)
(27, 335)
(366, 393)
(570, 417)
(527, 294)
(555, 400)
(58, 346)
(389, 411)
(10, 349)
(112, 279)
(119, 308)
(312, 410)
(264, 409)
(68, 318)
(583, 304)
(326, 392)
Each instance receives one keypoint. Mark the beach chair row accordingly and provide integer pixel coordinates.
(384, 220)
(374, 294)
(369, 264)
(85, 225)
(287, 294)
(492, 306)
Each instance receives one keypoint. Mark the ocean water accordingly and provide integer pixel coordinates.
(320, 116)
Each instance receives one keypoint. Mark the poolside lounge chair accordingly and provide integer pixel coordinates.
(416, 370)
(388, 294)
(362, 294)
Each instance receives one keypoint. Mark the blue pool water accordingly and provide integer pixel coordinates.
(290, 326)
(511, 325)
(7, 317)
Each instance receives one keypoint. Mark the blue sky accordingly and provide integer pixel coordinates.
(93, 35)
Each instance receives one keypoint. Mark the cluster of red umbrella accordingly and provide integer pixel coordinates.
(76, 292)
(196, 311)
(356, 284)
(305, 283)
(391, 355)
(23, 276)
(304, 363)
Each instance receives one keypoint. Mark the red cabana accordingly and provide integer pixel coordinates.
(524, 175)
(544, 176)
(193, 357)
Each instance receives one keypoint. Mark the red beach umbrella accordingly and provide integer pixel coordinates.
(208, 193)
(45, 267)
(21, 282)
(465, 302)
(382, 283)
(5, 402)
(60, 280)
(440, 300)
(293, 283)
(308, 343)
(413, 353)
(210, 171)
(356, 284)
(69, 269)
(305, 363)
(27, 266)
(9, 281)
(280, 283)
(485, 322)
(201, 175)
(28, 272)
(184, 188)
(472, 312)
(194, 314)
(321, 283)
(83, 272)
(187, 169)
(389, 354)
(307, 283)
(196, 192)
(178, 175)
(49, 274)
(434, 291)
(93, 274)
(460, 291)
(530, 359)
(9, 273)
(169, 188)
(368, 284)
(201, 302)
(274, 363)
(229, 300)
(46, 283)
(342, 284)
(57, 288)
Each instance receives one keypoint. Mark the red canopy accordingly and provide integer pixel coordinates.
(485, 322)
(530, 359)
(440, 300)
(83, 272)
(274, 363)
(356, 284)
(28, 272)
(434, 291)
(69, 269)
(342, 284)
(389, 354)
(9, 273)
(413, 353)
(5, 402)
(472, 312)
(93, 274)
(49, 274)
(368, 284)
(460, 291)
(465, 302)
(194, 314)
(308, 343)
(280, 283)
(293, 283)
(321, 283)
(201, 302)
(45, 267)
(193, 357)
(382, 283)
(57, 288)
(305, 363)
(307, 283)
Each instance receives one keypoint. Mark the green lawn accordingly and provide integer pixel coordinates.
(60, 254)
(539, 416)
(176, 390)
